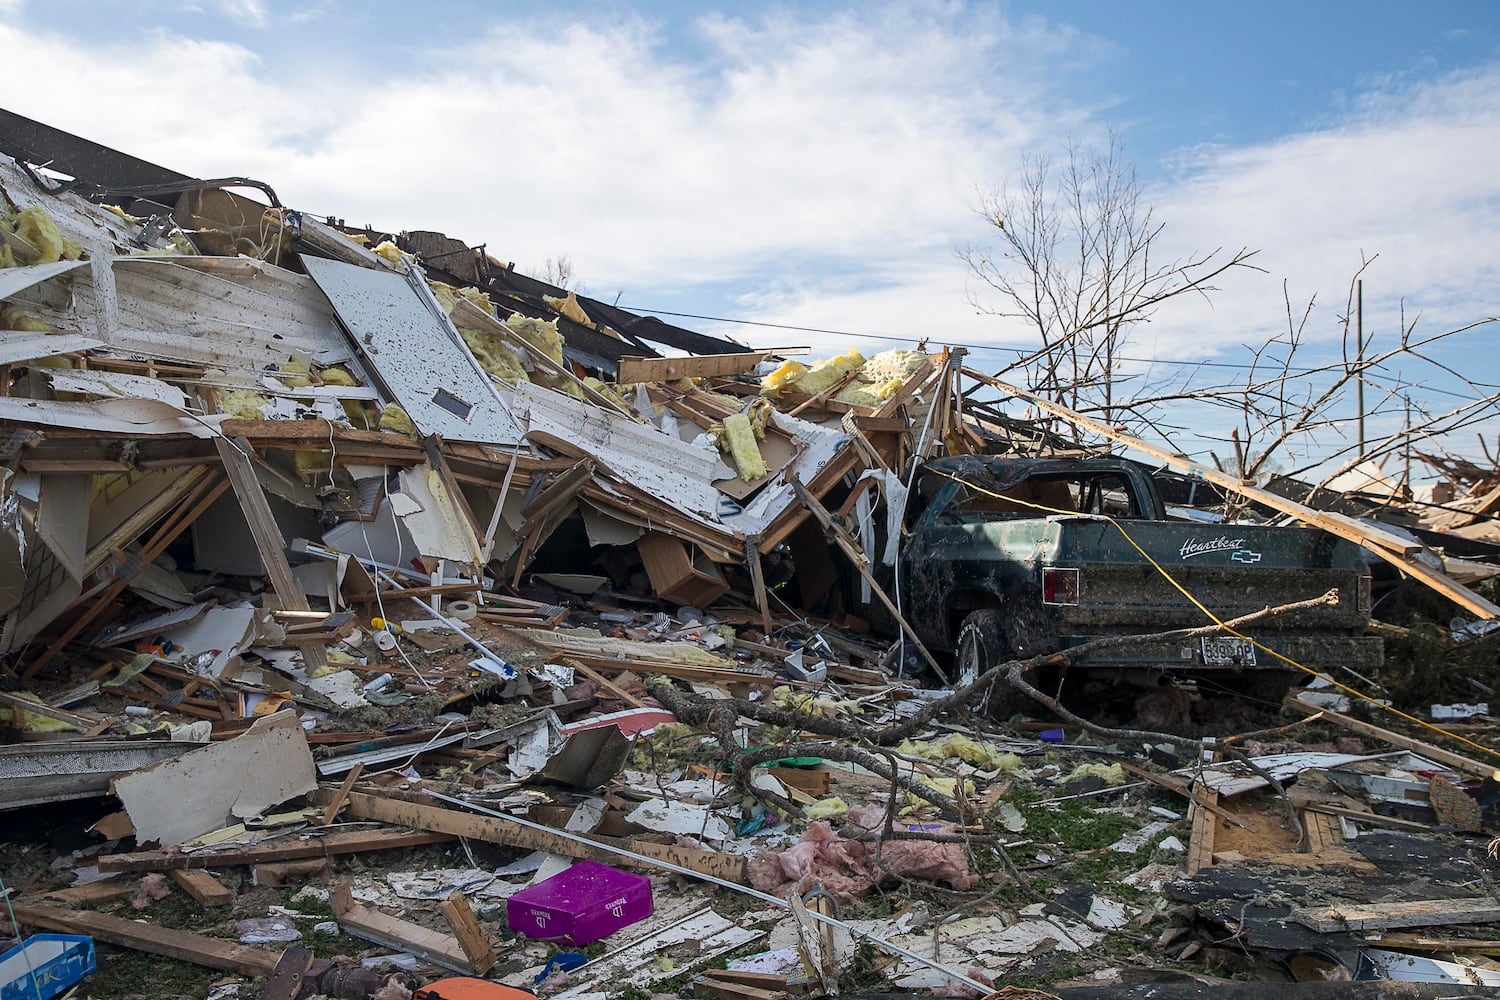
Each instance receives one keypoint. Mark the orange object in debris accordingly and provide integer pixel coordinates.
(464, 988)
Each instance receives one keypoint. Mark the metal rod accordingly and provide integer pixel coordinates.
(894, 949)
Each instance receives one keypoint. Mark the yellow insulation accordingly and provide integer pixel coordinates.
(738, 440)
(540, 334)
(785, 374)
(394, 418)
(243, 404)
(984, 756)
(15, 317)
(826, 373)
(36, 227)
(570, 308)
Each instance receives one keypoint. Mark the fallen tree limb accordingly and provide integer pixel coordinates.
(962, 696)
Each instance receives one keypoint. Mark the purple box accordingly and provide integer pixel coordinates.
(585, 903)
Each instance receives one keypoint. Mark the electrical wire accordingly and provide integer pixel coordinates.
(1019, 352)
(1219, 621)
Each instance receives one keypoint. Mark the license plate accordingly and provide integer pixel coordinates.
(1226, 651)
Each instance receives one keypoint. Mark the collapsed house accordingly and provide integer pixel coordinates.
(266, 475)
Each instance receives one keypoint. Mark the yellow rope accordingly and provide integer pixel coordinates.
(1218, 621)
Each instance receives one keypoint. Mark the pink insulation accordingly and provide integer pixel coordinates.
(849, 869)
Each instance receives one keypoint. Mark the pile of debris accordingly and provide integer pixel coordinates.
(356, 586)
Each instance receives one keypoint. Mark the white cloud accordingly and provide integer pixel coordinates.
(822, 168)
(251, 13)
(827, 139)
(1408, 177)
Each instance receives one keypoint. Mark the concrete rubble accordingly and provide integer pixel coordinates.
(353, 583)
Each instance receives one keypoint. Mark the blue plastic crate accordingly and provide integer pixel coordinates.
(57, 961)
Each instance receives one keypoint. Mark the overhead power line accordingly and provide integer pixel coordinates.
(1019, 352)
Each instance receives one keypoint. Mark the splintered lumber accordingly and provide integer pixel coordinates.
(502, 830)
(1205, 826)
(466, 930)
(337, 802)
(277, 873)
(604, 682)
(1392, 548)
(269, 541)
(402, 935)
(185, 946)
(341, 842)
(1373, 819)
(855, 556)
(634, 369)
(1411, 913)
(202, 886)
(94, 892)
(1435, 754)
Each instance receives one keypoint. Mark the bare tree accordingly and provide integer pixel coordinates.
(1293, 419)
(1076, 262)
(558, 271)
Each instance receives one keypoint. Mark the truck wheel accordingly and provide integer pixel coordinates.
(981, 645)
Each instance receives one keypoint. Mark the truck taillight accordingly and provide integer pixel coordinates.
(1364, 594)
(1059, 585)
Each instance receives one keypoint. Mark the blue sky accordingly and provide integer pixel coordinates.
(818, 166)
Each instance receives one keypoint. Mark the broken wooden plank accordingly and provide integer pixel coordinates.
(1410, 913)
(337, 802)
(202, 886)
(1372, 819)
(1433, 753)
(812, 781)
(341, 842)
(1205, 826)
(636, 369)
(94, 892)
(392, 932)
(278, 873)
(269, 541)
(602, 681)
(215, 953)
(466, 930)
(855, 556)
(502, 830)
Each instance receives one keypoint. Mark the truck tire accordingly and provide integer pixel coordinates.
(981, 644)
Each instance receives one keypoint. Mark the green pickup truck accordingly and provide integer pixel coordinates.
(1012, 557)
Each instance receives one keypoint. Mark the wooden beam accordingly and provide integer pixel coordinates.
(392, 932)
(635, 369)
(855, 556)
(466, 930)
(1392, 913)
(339, 796)
(341, 842)
(501, 830)
(269, 541)
(215, 953)
(602, 681)
(1205, 826)
(202, 886)
(1392, 548)
(1436, 754)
